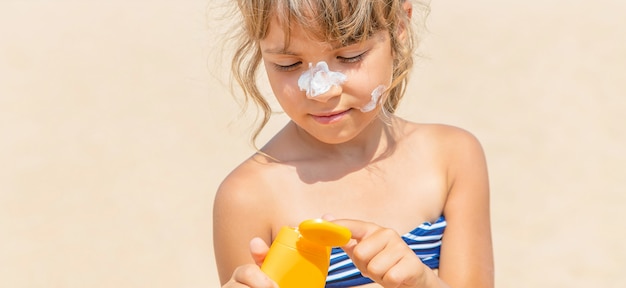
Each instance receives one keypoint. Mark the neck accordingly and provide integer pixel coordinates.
(372, 144)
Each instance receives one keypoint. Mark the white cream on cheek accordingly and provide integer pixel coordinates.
(378, 91)
(319, 79)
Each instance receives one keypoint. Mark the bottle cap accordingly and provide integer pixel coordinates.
(324, 232)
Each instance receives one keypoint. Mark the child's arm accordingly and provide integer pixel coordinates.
(467, 253)
(238, 215)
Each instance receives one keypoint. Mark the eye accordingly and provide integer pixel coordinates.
(353, 59)
(286, 68)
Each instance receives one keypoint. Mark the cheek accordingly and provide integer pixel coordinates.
(376, 71)
(276, 80)
(363, 83)
(285, 87)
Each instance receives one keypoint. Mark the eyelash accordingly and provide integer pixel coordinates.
(347, 60)
(286, 68)
(354, 59)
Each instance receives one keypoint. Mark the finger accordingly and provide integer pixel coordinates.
(359, 229)
(406, 273)
(360, 232)
(364, 244)
(258, 250)
(382, 261)
(393, 266)
(251, 276)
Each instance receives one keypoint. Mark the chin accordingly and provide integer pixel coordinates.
(340, 138)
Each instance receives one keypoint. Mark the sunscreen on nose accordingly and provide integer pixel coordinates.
(299, 257)
(319, 79)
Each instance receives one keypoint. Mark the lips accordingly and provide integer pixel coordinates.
(331, 117)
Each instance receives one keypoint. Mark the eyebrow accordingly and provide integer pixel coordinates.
(281, 51)
(284, 51)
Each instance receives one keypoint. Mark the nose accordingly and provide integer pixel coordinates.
(320, 83)
(333, 91)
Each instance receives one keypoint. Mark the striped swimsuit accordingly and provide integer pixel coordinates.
(425, 240)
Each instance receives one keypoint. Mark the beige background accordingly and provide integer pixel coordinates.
(114, 135)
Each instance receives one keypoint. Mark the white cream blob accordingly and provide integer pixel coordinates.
(378, 91)
(319, 79)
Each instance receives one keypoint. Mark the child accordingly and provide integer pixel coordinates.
(415, 196)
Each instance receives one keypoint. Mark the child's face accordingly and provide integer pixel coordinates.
(345, 110)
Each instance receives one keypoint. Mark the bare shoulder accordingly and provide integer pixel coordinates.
(254, 189)
(248, 187)
(450, 140)
(443, 133)
(454, 150)
(462, 147)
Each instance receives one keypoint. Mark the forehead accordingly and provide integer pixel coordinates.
(280, 37)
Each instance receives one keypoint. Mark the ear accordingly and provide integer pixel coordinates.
(408, 7)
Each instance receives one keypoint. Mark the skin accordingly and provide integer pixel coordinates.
(380, 181)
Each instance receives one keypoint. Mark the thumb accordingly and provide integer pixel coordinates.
(258, 250)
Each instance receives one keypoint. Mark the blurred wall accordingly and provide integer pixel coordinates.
(115, 132)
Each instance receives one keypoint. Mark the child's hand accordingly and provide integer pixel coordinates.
(381, 254)
(258, 250)
(250, 275)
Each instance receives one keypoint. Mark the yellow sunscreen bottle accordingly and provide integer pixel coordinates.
(299, 257)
